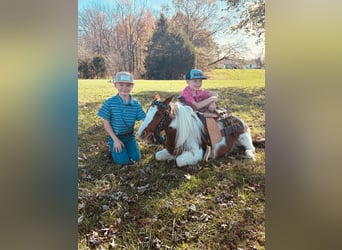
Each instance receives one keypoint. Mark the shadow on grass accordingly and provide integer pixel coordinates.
(158, 204)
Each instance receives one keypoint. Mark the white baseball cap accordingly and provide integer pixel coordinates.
(123, 77)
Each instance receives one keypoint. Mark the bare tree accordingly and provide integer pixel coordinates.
(196, 16)
(119, 34)
(249, 15)
(231, 53)
(200, 21)
(95, 33)
(132, 31)
(95, 28)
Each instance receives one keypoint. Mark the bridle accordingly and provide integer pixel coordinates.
(161, 124)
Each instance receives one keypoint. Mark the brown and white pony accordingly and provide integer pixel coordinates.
(185, 134)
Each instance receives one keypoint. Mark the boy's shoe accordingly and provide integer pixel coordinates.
(123, 167)
(207, 153)
(128, 165)
(133, 163)
(223, 113)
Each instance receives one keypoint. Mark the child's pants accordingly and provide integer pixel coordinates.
(130, 151)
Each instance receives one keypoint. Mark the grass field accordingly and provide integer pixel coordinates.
(214, 205)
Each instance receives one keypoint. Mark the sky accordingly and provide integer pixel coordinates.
(253, 50)
(156, 4)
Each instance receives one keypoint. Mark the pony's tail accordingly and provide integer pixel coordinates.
(259, 143)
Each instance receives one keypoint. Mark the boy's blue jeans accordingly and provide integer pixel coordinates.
(129, 152)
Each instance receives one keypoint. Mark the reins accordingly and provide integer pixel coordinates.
(161, 124)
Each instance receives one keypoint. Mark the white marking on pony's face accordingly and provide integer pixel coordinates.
(149, 117)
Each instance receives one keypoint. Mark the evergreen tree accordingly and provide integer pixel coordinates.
(84, 69)
(169, 53)
(99, 66)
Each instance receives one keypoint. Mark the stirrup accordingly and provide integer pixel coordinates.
(207, 153)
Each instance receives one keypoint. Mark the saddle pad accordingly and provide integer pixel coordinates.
(233, 125)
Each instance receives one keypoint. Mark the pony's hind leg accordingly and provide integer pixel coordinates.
(245, 140)
(164, 155)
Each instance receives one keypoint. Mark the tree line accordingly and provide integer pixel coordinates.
(128, 36)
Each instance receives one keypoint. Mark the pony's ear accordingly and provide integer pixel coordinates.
(156, 96)
(168, 100)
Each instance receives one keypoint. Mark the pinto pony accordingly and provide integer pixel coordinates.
(185, 133)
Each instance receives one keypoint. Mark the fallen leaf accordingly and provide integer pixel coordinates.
(187, 176)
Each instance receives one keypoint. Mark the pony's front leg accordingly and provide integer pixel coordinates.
(164, 155)
(245, 140)
(189, 157)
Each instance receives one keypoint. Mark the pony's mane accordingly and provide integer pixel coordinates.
(189, 127)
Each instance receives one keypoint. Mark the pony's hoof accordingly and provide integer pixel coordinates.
(250, 155)
(252, 158)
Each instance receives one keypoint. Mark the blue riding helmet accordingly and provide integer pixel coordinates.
(194, 74)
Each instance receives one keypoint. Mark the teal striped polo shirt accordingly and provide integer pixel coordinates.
(122, 115)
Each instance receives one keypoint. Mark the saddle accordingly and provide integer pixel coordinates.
(232, 125)
(210, 120)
